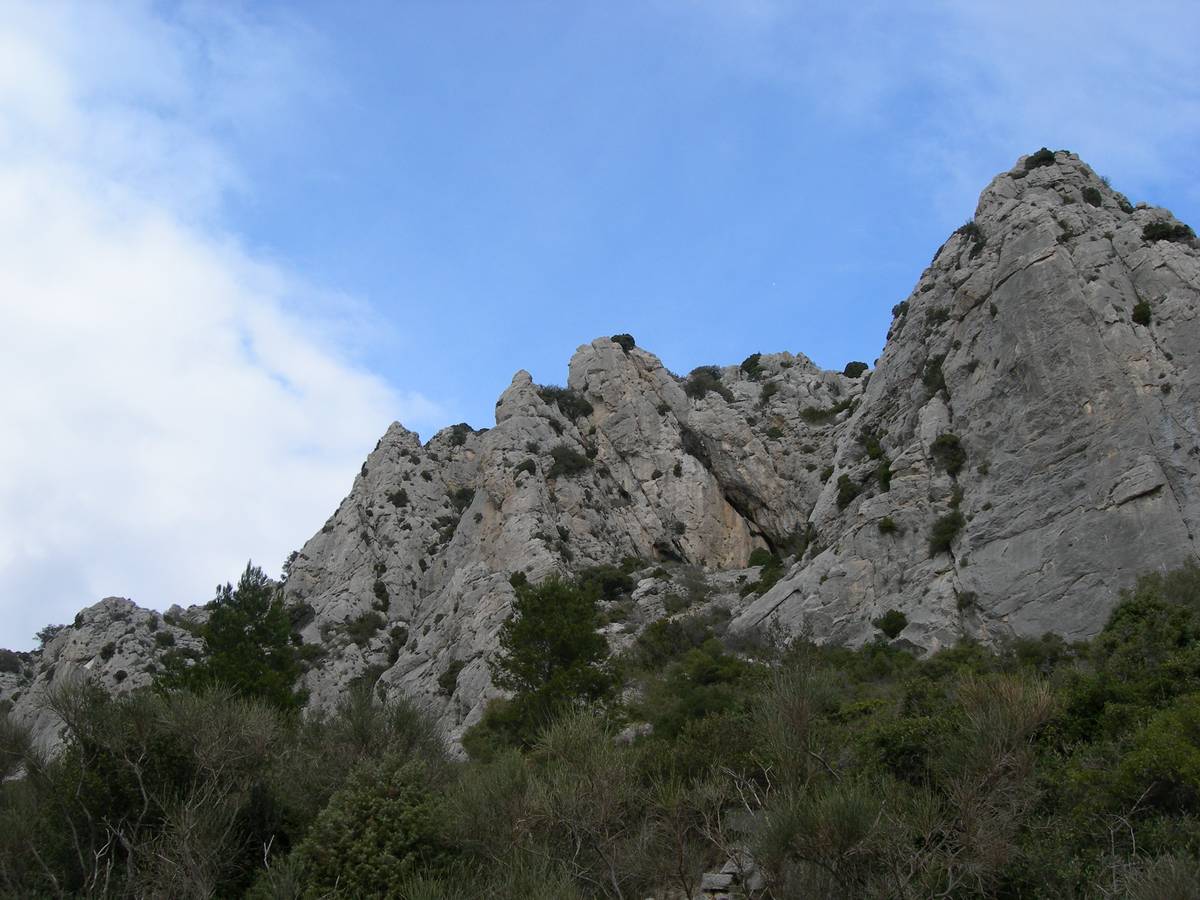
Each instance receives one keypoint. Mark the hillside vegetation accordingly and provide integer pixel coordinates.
(1046, 770)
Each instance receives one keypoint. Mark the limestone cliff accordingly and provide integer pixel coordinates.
(1026, 444)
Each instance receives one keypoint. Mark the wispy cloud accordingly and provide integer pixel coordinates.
(947, 89)
(171, 404)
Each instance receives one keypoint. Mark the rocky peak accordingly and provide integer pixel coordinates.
(1027, 442)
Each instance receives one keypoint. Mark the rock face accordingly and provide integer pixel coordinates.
(114, 642)
(1073, 427)
(1026, 444)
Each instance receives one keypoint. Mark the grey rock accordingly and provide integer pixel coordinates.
(1080, 470)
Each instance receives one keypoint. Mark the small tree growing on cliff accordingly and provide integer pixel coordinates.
(248, 645)
(551, 657)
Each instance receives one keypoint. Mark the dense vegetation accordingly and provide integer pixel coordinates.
(1045, 770)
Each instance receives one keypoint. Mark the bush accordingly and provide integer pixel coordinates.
(751, 366)
(398, 498)
(572, 404)
(625, 340)
(387, 823)
(1042, 157)
(1141, 312)
(107, 651)
(448, 680)
(361, 629)
(9, 661)
(527, 465)
(816, 416)
(567, 462)
(974, 234)
(704, 379)
(884, 473)
(887, 525)
(769, 390)
(944, 531)
(932, 376)
(47, 634)
(947, 451)
(1092, 196)
(458, 434)
(761, 556)
(605, 583)
(847, 490)
(891, 623)
(460, 498)
(1165, 231)
(855, 369)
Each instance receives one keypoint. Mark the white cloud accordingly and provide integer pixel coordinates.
(953, 91)
(167, 410)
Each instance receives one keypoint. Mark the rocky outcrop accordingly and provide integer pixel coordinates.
(1018, 390)
(409, 579)
(115, 643)
(1027, 444)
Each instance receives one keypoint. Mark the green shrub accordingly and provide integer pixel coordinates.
(571, 403)
(605, 583)
(527, 465)
(567, 462)
(887, 525)
(399, 498)
(769, 390)
(944, 531)
(947, 451)
(1042, 157)
(625, 340)
(752, 366)
(362, 628)
(884, 473)
(385, 824)
(1141, 312)
(460, 498)
(9, 661)
(551, 657)
(1165, 231)
(932, 376)
(816, 416)
(847, 491)
(107, 651)
(704, 379)
(458, 434)
(855, 369)
(382, 598)
(1092, 196)
(761, 556)
(448, 680)
(47, 634)
(891, 623)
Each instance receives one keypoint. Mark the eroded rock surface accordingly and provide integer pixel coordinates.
(1035, 404)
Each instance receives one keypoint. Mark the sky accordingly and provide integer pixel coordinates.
(237, 240)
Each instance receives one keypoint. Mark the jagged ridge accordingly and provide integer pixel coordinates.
(1020, 405)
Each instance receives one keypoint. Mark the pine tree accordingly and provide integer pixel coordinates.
(248, 644)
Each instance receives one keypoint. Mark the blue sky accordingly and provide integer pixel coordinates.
(237, 240)
(504, 181)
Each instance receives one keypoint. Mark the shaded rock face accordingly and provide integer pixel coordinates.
(1027, 444)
